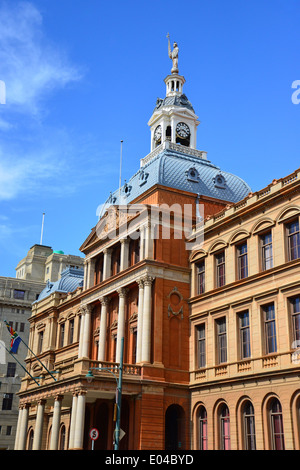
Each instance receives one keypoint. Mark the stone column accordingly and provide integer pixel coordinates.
(106, 263)
(121, 321)
(146, 328)
(85, 275)
(148, 242)
(56, 423)
(124, 254)
(16, 446)
(86, 331)
(80, 414)
(140, 321)
(73, 420)
(90, 272)
(102, 334)
(21, 432)
(38, 431)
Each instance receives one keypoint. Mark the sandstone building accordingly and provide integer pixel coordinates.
(17, 294)
(245, 313)
(136, 287)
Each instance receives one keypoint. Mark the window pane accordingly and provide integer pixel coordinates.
(200, 268)
(270, 329)
(201, 354)
(267, 251)
(220, 269)
(242, 261)
(225, 429)
(293, 240)
(277, 426)
(222, 340)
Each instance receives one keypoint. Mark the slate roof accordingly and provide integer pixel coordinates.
(70, 279)
(176, 169)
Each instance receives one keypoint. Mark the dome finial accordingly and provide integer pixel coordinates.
(173, 55)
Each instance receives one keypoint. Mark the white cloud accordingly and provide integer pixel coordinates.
(30, 65)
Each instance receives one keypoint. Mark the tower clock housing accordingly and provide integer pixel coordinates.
(174, 119)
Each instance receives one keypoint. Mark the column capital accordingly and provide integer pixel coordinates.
(107, 251)
(140, 283)
(87, 308)
(41, 401)
(148, 280)
(58, 397)
(104, 300)
(123, 291)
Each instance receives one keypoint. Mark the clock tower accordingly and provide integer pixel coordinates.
(174, 119)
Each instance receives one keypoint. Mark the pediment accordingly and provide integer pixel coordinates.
(238, 236)
(288, 213)
(217, 246)
(262, 225)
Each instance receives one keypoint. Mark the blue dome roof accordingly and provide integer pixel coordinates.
(176, 169)
(71, 278)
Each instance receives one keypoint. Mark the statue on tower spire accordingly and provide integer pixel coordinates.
(173, 55)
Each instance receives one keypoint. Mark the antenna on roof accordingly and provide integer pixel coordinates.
(41, 242)
(120, 171)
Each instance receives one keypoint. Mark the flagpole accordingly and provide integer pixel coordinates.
(21, 365)
(43, 365)
(38, 359)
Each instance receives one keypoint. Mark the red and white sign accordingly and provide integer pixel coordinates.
(94, 434)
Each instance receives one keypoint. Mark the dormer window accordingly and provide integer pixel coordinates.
(192, 175)
(219, 181)
(143, 176)
(126, 189)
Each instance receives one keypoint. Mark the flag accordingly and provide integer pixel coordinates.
(15, 338)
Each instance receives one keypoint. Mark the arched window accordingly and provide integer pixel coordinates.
(202, 428)
(276, 425)
(224, 428)
(30, 439)
(62, 437)
(249, 426)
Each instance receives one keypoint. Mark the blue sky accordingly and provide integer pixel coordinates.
(81, 75)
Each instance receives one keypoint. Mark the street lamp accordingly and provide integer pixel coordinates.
(89, 376)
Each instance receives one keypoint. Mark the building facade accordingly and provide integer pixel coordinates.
(16, 298)
(136, 289)
(245, 312)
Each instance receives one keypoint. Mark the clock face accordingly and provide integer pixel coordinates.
(157, 133)
(183, 130)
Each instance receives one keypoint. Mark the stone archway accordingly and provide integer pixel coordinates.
(174, 428)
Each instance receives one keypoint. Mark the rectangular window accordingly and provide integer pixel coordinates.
(62, 335)
(242, 261)
(7, 401)
(244, 328)
(22, 327)
(220, 269)
(11, 369)
(266, 251)
(19, 294)
(200, 275)
(8, 430)
(40, 341)
(270, 329)
(293, 240)
(295, 315)
(71, 331)
(200, 346)
(221, 340)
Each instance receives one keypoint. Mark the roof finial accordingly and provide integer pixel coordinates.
(173, 55)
